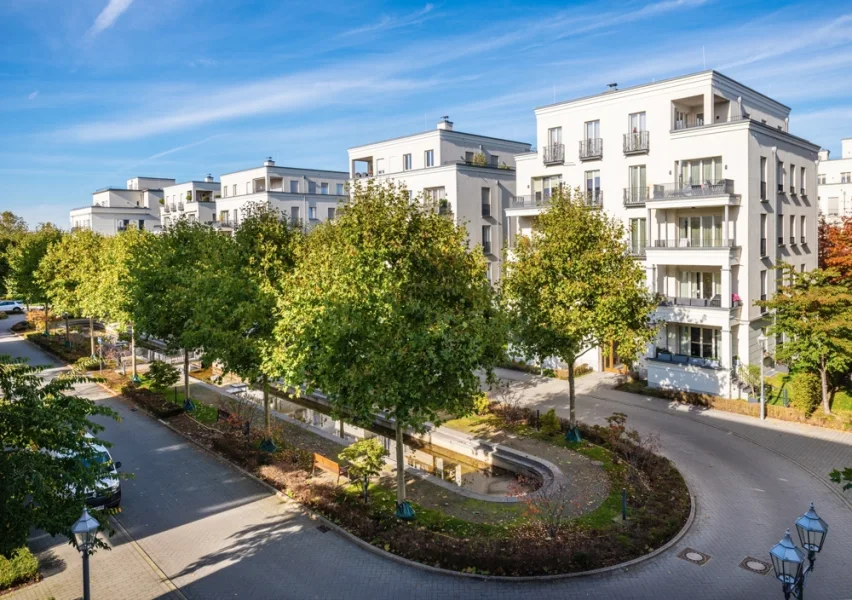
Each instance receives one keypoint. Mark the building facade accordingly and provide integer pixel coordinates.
(115, 209)
(194, 201)
(835, 183)
(467, 176)
(715, 194)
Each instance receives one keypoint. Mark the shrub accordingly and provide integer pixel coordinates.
(806, 391)
(365, 458)
(3, 315)
(21, 567)
(550, 423)
(162, 375)
(85, 363)
(582, 369)
(481, 404)
(480, 160)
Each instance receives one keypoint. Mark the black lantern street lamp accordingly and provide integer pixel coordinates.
(85, 532)
(788, 560)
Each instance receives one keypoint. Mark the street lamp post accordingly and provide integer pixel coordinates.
(761, 339)
(788, 560)
(67, 334)
(85, 532)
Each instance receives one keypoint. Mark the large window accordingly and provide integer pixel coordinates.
(593, 130)
(638, 183)
(324, 188)
(700, 232)
(294, 215)
(636, 122)
(429, 158)
(294, 186)
(638, 230)
(486, 202)
(312, 187)
(543, 187)
(700, 284)
(434, 194)
(700, 342)
(696, 171)
(593, 187)
(312, 213)
(339, 189)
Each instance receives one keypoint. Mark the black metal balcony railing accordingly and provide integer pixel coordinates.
(792, 190)
(486, 209)
(636, 143)
(802, 192)
(792, 240)
(593, 198)
(591, 149)
(637, 250)
(780, 188)
(635, 195)
(688, 189)
(802, 240)
(180, 205)
(166, 209)
(486, 247)
(714, 302)
(763, 191)
(693, 243)
(530, 201)
(445, 209)
(780, 240)
(554, 154)
(763, 246)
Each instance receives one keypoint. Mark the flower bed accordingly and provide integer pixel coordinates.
(151, 401)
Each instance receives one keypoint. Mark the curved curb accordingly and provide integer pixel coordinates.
(313, 515)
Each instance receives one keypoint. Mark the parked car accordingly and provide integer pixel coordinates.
(11, 306)
(107, 494)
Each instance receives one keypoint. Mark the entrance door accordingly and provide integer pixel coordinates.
(611, 361)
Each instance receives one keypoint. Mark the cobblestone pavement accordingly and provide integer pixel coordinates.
(218, 534)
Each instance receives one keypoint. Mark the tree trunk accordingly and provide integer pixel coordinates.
(133, 350)
(826, 399)
(400, 466)
(47, 319)
(92, 334)
(267, 418)
(186, 374)
(572, 412)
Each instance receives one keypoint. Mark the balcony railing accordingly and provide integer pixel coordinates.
(714, 302)
(780, 240)
(180, 205)
(693, 243)
(635, 196)
(486, 247)
(683, 359)
(554, 154)
(593, 198)
(486, 209)
(763, 246)
(636, 250)
(688, 189)
(531, 201)
(802, 240)
(688, 123)
(591, 149)
(763, 191)
(166, 209)
(780, 188)
(636, 143)
(802, 192)
(792, 240)
(792, 190)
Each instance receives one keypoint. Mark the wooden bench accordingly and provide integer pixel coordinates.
(222, 414)
(329, 466)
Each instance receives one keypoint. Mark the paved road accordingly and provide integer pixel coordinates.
(217, 534)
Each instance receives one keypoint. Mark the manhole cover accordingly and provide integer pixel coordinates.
(755, 565)
(694, 556)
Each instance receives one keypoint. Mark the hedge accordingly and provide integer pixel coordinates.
(20, 568)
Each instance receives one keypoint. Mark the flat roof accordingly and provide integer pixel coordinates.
(198, 182)
(402, 137)
(345, 174)
(660, 81)
(118, 189)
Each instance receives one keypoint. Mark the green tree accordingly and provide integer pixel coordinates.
(573, 286)
(12, 229)
(24, 258)
(251, 276)
(389, 311)
(365, 459)
(844, 478)
(42, 477)
(162, 375)
(814, 313)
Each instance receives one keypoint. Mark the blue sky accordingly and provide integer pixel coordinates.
(95, 91)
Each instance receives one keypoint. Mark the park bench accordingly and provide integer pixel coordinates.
(329, 466)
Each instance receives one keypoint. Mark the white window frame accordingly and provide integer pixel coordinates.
(406, 162)
(429, 158)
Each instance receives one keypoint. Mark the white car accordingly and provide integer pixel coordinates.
(11, 306)
(107, 493)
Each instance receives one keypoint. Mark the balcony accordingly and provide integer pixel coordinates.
(591, 149)
(486, 210)
(693, 243)
(530, 201)
(180, 205)
(763, 197)
(714, 302)
(635, 196)
(688, 189)
(683, 359)
(763, 248)
(554, 154)
(593, 198)
(636, 250)
(689, 122)
(636, 143)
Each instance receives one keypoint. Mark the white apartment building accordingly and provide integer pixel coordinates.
(305, 196)
(194, 201)
(715, 194)
(835, 183)
(468, 176)
(115, 209)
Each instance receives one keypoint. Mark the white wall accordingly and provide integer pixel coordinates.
(835, 197)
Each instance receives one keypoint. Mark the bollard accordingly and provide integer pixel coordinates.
(623, 504)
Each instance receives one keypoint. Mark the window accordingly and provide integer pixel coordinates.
(339, 189)
(312, 213)
(235, 189)
(821, 179)
(434, 194)
(763, 287)
(636, 123)
(141, 224)
(700, 232)
(312, 187)
(792, 229)
(845, 178)
(698, 342)
(294, 215)
(488, 273)
(593, 130)
(779, 223)
(331, 212)
(294, 186)
(700, 284)
(486, 239)
(380, 165)
(486, 202)
(779, 279)
(429, 158)
(468, 157)
(224, 191)
(554, 136)
(495, 160)
(223, 216)
(792, 177)
(763, 234)
(406, 162)
(763, 178)
(638, 190)
(779, 175)
(696, 171)
(803, 229)
(236, 216)
(593, 187)
(543, 187)
(802, 180)
(802, 268)
(324, 188)
(638, 231)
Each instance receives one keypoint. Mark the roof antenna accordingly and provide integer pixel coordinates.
(612, 86)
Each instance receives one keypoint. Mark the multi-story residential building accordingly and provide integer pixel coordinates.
(468, 176)
(194, 201)
(305, 196)
(715, 193)
(835, 183)
(115, 209)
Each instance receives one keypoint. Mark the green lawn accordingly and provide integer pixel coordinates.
(781, 381)
(203, 412)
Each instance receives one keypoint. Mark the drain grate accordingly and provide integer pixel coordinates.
(755, 565)
(693, 556)
(322, 528)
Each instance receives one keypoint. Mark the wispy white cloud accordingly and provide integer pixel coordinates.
(387, 22)
(108, 16)
(158, 155)
(32, 95)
